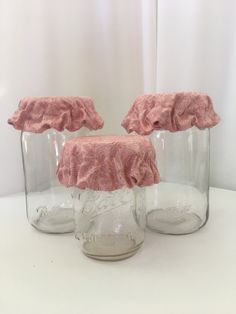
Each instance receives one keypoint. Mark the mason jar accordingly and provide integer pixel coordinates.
(46, 124)
(178, 127)
(110, 225)
(179, 204)
(49, 204)
(109, 174)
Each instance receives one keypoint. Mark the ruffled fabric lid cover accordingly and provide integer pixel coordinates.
(172, 112)
(39, 114)
(107, 163)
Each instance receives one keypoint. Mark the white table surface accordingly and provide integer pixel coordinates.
(47, 274)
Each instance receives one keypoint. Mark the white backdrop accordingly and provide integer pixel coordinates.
(197, 51)
(106, 49)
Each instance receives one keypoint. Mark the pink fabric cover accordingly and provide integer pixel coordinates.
(107, 163)
(39, 114)
(172, 112)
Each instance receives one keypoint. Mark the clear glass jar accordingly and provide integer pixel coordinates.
(179, 203)
(49, 204)
(110, 225)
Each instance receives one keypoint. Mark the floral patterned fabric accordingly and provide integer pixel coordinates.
(39, 114)
(172, 112)
(107, 163)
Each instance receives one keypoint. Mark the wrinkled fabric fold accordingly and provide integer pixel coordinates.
(39, 114)
(173, 112)
(107, 163)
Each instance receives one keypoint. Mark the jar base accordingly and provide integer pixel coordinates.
(163, 221)
(55, 220)
(110, 247)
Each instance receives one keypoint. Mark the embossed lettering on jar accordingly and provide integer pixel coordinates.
(110, 225)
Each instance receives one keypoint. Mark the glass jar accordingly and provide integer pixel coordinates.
(179, 203)
(110, 225)
(46, 123)
(110, 174)
(178, 126)
(49, 204)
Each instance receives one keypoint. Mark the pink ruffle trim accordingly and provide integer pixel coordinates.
(39, 114)
(172, 112)
(107, 163)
